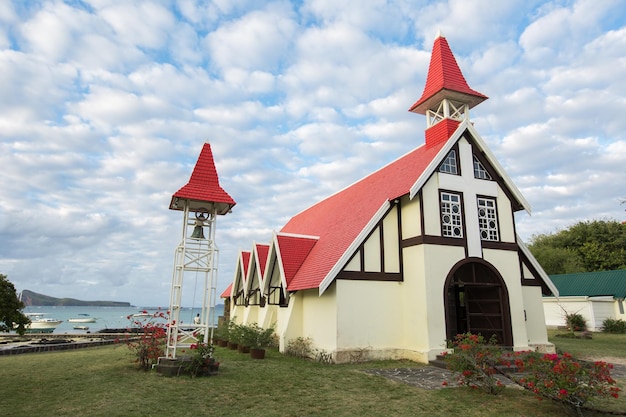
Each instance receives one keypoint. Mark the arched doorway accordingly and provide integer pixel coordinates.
(477, 301)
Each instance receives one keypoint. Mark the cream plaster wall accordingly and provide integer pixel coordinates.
(535, 318)
(391, 241)
(371, 248)
(369, 314)
(507, 264)
(506, 221)
(441, 259)
(410, 217)
(430, 194)
(319, 317)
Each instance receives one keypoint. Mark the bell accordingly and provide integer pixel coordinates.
(198, 232)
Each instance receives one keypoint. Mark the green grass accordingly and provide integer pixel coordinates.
(601, 345)
(105, 382)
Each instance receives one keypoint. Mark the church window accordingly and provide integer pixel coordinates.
(449, 165)
(479, 170)
(451, 223)
(487, 219)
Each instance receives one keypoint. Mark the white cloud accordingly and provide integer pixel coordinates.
(106, 105)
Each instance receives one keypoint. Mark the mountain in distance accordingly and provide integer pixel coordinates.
(30, 298)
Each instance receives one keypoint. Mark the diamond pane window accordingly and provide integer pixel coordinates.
(451, 223)
(449, 165)
(487, 219)
(479, 170)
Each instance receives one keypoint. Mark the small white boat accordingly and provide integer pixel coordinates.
(41, 324)
(81, 327)
(82, 320)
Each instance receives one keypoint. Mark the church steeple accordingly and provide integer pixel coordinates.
(447, 96)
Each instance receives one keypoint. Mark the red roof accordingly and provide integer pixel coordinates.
(228, 291)
(445, 80)
(340, 218)
(245, 261)
(293, 251)
(204, 187)
(261, 256)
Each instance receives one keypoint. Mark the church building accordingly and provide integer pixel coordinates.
(409, 256)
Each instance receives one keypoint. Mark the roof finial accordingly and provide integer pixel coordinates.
(439, 34)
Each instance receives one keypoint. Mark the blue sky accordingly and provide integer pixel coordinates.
(106, 104)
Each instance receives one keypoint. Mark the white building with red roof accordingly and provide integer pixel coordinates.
(409, 256)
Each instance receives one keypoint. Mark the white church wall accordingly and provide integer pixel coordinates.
(507, 264)
(441, 259)
(535, 320)
(410, 212)
(319, 317)
(371, 249)
(289, 321)
(505, 217)
(391, 241)
(370, 316)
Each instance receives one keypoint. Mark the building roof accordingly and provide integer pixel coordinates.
(293, 250)
(338, 220)
(203, 189)
(316, 243)
(592, 284)
(260, 257)
(445, 80)
(228, 291)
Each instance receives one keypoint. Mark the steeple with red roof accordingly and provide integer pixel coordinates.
(447, 97)
(203, 189)
(200, 200)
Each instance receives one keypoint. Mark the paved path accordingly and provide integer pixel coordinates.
(431, 377)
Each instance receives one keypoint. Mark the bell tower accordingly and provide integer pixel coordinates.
(201, 200)
(447, 98)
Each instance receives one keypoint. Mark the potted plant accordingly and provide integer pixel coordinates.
(263, 338)
(234, 335)
(220, 334)
(247, 336)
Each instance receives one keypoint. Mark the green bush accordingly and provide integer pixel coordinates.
(614, 326)
(575, 322)
(300, 347)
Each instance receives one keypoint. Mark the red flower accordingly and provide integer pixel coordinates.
(445, 384)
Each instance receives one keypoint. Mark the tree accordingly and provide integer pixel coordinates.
(11, 308)
(585, 247)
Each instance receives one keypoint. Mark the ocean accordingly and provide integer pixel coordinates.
(106, 317)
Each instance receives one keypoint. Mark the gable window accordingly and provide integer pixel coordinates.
(449, 165)
(240, 299)
(276, 296)
(479, 170)
(487, 219)
(451, 223)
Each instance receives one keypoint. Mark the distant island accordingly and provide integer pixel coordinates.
(30, 298)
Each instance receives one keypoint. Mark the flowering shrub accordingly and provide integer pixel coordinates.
(147, 342)
(566, 380)
(558, 377)
(474, 360)
(202, 361)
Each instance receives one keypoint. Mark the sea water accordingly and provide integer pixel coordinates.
(106, 317)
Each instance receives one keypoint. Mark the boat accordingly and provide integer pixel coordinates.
(41, 324)
(84, 319)
(81, 327)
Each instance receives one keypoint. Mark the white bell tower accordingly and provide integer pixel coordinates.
(196, 257)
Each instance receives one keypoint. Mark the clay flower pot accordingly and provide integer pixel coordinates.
(257, 353)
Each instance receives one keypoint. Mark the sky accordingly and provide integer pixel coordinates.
(105, 106)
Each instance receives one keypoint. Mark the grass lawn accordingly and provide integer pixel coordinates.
(601, 345)
(105, 382)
